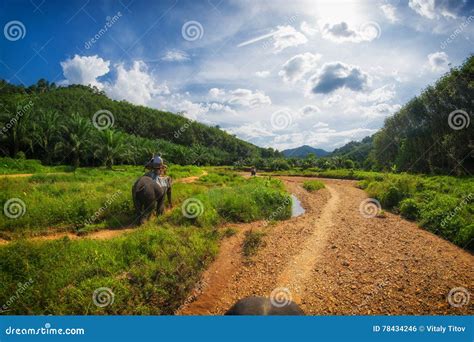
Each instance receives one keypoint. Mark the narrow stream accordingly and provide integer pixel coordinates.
(296, 208)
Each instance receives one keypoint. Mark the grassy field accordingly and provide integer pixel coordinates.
(440, 204)
(149, 270)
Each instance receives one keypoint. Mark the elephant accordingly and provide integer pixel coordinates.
(147, 194)
(263, 306)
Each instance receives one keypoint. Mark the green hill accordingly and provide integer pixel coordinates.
(56, 125)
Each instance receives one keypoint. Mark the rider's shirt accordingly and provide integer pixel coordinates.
(163, 181)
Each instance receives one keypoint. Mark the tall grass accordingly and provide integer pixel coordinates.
(73, 200)
(149, 271)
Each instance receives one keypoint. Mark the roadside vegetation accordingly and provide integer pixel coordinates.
(313, 185)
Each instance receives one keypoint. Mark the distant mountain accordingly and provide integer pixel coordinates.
(303, 151)
(357, 151)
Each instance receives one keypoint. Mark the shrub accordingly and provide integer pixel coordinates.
(409, 209)
(313, 185)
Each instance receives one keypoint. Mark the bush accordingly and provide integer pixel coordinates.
(409, 209)
(313, 185)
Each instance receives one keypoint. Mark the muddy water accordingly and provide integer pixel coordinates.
(296, 208)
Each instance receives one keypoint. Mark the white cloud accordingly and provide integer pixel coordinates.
(135, 84)
(337, 75)
(434, 9)
(216, 92)
(85, 70)
(248, 98)
(240, 97)
(341, 32)
(262, 74)
(298, 66)
(175, 56)
(390, 12)
(287, 36)
(438, 61)
(308, 29)
(309, 110)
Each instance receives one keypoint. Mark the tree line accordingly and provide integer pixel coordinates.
(58, 125)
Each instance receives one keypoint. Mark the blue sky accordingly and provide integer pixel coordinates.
(275, 73)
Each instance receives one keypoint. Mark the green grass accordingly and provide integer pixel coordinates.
(254, 199)
(313, 185)
(441, 204)
(150, 271)
(69, 201)
(10, 166)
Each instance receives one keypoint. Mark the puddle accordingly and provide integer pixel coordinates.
(296, 208)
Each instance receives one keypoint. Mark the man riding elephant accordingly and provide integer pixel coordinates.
(150, 189)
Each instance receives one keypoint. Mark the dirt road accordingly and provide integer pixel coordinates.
(333, 260)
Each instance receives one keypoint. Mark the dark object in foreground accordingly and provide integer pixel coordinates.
(263, 307)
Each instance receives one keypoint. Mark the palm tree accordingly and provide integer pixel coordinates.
(110, 146)
(45, 131)
(75, 136)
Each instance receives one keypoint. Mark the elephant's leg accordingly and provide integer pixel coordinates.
(147, 212)
(160, 206)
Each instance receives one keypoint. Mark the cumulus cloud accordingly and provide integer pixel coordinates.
(248, 98)
(310, 110)
(240, 97)
(287, 36)
(175, 56)
(85, 70)
(390, 12)
(298, 66)
(434, 9)
(438, 61)
(341, 32)
(135, 85)
(337, 75)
